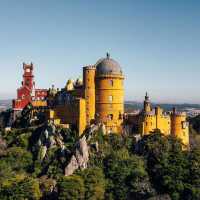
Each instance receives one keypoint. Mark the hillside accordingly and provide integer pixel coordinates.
(45, 162)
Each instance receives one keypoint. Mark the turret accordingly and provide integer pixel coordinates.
(147, 104)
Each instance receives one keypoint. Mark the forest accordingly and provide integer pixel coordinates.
(33, 162)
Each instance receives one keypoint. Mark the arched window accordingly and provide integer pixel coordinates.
(110, 98)
(110, 82)
(110, 117)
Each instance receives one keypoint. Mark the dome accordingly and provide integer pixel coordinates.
(108, 66)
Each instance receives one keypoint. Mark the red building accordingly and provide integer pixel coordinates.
(27, 93)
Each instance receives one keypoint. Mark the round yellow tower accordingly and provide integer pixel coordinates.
(89, 92)
(179, 126)
(109, 94)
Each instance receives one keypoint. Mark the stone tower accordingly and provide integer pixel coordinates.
(109, 94)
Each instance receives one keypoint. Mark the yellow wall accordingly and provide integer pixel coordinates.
(89, 90)
(39, 103)
(149, 122)
(163, 121)
(72, 113)
(110, 101)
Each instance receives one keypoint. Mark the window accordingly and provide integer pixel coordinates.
(110, 117)
(27, 82)
(111, 82)
(28, 70)
(184, 124)
(110, 98)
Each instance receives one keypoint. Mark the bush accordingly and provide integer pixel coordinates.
(71, 188)
(20, 187)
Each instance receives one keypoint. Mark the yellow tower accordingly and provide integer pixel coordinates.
(179, 126)
(151, 120)
(109, 94)
(89, 89)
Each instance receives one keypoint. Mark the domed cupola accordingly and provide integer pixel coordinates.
(108, 66)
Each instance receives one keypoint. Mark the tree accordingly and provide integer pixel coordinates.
(71, 188)
(127, 176)
(167, 163)
(18, 158)
(94, 181)
(193, 186)
(20, 187)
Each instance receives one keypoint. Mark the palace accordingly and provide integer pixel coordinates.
(167, 123)
(98, 99)
(27, 93)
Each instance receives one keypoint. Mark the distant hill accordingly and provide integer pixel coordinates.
(129, 105)
(5, 104)
(138, 105)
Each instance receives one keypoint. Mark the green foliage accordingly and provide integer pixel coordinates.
(20, 187)
(95, 183)
(47, 186)
(195, 123)
(167, 164)
(127, 176)
(71, 188)
(23, 140)
(18, 159)
(108, 144)
(193, 186)
(24, 120)
(32, 161)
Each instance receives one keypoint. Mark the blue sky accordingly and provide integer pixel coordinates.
(156, 42)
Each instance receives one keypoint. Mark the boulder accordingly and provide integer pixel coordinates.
(82, 153)
(80, 159)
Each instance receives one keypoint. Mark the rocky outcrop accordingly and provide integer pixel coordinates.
(49, 138)
(80, 159)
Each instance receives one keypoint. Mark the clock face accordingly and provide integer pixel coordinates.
(28, 70)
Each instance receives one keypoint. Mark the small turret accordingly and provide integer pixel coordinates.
(69, 85)
(147, 104)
